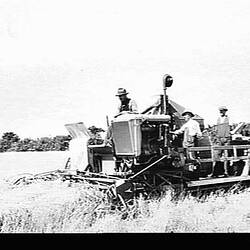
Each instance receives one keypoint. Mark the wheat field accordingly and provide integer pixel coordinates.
(60, 207)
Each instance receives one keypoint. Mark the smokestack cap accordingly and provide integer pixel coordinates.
(167, 81)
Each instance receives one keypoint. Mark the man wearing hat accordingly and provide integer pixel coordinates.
(191, 130)
(222, 137)
(223, 127)
(127, 104)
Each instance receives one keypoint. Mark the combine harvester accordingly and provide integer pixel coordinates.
(145, 158)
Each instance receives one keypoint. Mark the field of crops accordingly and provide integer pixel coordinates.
(56, 207)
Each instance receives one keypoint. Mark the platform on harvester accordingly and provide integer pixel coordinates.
(217, 180)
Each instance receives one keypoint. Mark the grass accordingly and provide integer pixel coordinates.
(56, 207)
(48, 207)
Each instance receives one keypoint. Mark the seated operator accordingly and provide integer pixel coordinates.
(191, 130)
(127, 105)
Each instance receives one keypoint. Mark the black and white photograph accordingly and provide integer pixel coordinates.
(124, 116)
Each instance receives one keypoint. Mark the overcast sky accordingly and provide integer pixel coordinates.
(61, 61)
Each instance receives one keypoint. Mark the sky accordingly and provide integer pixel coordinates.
(62, 61)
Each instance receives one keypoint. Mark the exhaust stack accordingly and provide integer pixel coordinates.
(167, 82)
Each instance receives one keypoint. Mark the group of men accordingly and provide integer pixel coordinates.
(190, 129)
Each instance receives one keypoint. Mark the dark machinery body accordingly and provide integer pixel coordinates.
(144, 153)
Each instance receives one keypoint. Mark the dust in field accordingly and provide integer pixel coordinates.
(57, 207)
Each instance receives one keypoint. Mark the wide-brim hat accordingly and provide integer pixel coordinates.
(223, 108)
(188, 112)
(121, 91)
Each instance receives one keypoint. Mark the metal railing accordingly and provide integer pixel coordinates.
(228, 153)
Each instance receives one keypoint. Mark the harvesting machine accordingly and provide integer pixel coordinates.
(143, 157)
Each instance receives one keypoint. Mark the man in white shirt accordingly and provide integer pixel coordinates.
(191, 130)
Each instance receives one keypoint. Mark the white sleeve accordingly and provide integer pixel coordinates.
(133, 106)
(181, 130)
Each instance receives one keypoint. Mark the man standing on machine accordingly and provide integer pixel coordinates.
(191, 130)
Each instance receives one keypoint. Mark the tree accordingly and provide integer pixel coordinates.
(7, 140)
(11, 142)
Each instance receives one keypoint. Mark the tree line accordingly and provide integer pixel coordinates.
(11, 142)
